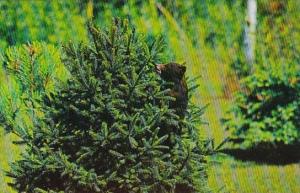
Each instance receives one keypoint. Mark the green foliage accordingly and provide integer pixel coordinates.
(267, 111)
(278, 34)
(50, 21)
(28, 73)
(110, 129)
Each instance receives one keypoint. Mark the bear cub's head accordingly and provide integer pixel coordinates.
(171, 71)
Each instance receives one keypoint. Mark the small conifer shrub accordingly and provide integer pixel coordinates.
(101, 132)
(266, 114)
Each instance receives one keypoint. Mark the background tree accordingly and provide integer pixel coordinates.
(250, 32)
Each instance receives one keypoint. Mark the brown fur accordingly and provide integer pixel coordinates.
(173, 72)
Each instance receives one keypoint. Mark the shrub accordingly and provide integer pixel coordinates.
(101, 132)
(267, 111)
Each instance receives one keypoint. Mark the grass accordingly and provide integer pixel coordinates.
(226, 174)
(9, 152)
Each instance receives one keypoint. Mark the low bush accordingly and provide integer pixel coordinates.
(268, 110)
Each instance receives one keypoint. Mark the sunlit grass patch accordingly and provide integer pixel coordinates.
(231, 176)
(9, 153)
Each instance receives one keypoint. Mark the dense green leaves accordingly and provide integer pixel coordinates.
(267, 112)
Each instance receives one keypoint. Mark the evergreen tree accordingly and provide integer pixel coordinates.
(103, 131)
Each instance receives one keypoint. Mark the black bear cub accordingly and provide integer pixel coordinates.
(174, 73)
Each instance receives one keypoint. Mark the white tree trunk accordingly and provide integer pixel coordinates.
(250, 30)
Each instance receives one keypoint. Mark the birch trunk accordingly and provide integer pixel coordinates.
(250, 32)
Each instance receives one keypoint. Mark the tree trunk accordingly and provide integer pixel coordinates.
(250, 30)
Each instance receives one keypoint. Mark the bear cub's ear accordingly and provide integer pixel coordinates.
(183, 69)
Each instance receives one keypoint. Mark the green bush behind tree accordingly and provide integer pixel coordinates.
(267, 111)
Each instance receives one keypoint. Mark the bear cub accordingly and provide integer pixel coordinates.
(174, 73)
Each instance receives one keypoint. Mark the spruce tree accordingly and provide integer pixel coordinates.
(102, 132)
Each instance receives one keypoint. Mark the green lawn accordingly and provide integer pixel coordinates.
(227, 175)
(8, 153)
